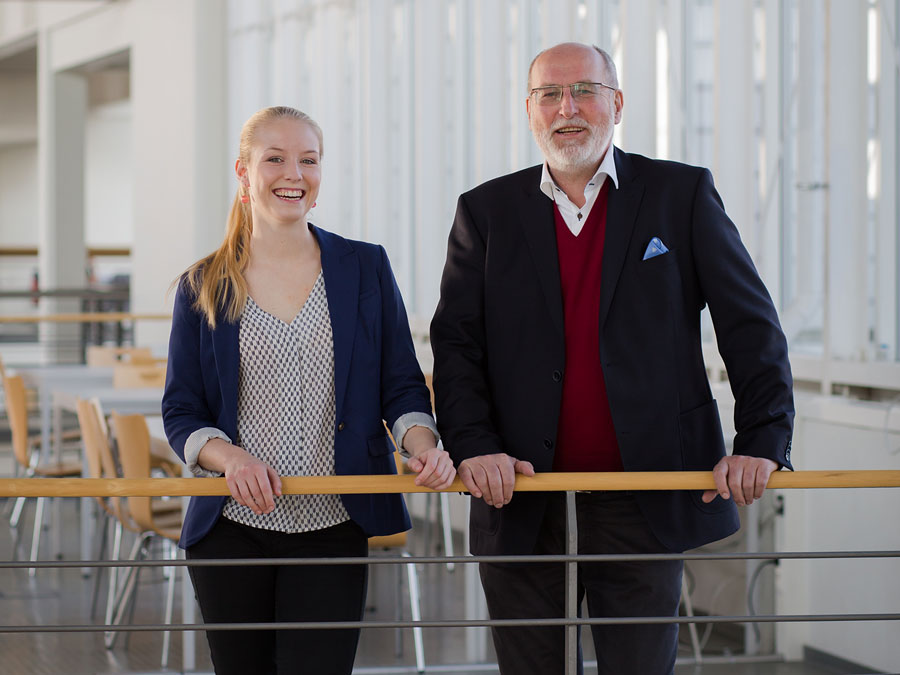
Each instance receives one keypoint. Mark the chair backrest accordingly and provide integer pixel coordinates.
(17, 412)
(101, 355)
(101, 463)
(133, 439)
(130, 376)
(92, 437)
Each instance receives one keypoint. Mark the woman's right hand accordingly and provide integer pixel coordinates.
(252, 482)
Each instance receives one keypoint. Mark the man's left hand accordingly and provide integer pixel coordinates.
(742, 476)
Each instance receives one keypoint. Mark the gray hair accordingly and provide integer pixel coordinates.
(607, 62)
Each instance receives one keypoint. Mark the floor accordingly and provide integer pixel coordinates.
(63, 596)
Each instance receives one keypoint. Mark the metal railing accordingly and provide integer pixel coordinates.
(569, 483)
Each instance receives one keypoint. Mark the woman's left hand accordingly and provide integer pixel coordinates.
(435, 468)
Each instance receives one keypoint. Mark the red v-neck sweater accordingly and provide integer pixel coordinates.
(586, 438)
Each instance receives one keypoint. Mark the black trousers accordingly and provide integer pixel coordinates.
(281, 593)
(607, 523)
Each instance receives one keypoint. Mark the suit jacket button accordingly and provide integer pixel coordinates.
(557, 376)
(548, 444)
(341, 426)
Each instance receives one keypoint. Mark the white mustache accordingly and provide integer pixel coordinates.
(581, 124)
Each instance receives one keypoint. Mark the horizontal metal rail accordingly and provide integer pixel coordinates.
(416, 560)
(454, 623)
(543, 482)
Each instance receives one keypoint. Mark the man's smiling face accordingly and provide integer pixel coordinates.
(573, 134)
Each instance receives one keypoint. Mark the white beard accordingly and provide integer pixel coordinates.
(584, 155)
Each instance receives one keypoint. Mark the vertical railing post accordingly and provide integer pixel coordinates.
(571, 585)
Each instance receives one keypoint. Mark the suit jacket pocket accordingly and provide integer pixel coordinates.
(702, 446)
(379, 445)
(657, 262)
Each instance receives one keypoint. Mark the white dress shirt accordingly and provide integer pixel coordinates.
(573, 216)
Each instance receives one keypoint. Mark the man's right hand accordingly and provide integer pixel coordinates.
(492, 477)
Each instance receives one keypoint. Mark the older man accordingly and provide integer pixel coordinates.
(567, 338)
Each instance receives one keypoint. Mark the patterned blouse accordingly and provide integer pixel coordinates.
(286, 409)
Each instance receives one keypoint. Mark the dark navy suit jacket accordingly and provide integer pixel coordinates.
(499, 343)
(377, 377)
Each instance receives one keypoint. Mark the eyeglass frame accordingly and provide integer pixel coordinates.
(569, 87)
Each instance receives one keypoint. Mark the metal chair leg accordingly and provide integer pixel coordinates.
(692, 627)
(17, 512)
(126, 593)
(413, 579)
(113, 574)
(98, 572)
(170, 602)
(36, 534)
(446, 525)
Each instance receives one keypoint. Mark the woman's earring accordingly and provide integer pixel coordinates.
(245, 199)
(314, 204)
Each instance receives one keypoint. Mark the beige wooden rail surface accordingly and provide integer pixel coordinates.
(83, 317)
(544, 482)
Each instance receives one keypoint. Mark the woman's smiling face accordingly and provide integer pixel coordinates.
(283, 172)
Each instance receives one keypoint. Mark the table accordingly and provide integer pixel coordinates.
(45, 379)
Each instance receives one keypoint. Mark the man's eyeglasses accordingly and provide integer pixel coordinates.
(581, 91)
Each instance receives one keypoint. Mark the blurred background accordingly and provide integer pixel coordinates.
(119, 123)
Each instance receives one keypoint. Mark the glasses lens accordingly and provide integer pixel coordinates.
(548, 95)
(584, 89)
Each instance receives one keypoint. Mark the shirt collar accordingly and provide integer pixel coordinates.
(607, 168)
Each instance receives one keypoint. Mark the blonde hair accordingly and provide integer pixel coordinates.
(217, 282)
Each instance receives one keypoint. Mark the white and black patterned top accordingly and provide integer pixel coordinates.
(286, 409)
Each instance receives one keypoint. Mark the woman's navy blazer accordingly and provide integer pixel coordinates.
(376, 378)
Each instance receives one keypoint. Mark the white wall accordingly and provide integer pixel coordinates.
(832, 433)
(18, 195)
(108, 205)
(18, 108)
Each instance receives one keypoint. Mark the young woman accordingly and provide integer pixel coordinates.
(289, 346)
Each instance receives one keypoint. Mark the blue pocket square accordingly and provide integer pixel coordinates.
(655, 248)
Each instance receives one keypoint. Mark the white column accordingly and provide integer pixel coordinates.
(491, 99)
(735, 142)
(846, 328)
(375, 20)
(807, 181)
(559, 22)
(637, 76)
(887, 328)
(62, 109)
(674, 19)
(249, 63)
(769, 164)
(182, 159)
(431, 104)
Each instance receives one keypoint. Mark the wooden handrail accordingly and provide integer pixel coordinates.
(83, 317)
(544, 482)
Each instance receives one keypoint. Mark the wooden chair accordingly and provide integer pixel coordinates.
(137, 375)
(133, 438)
(103, 355)
(27, 451)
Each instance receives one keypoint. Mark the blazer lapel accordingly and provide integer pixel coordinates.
(621, 213)
(340, 267)
(226, 348)
(536, 216)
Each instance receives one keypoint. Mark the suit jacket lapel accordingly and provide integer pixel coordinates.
(621, 213)
(536, 216)
(340, 267)
(226, 348)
